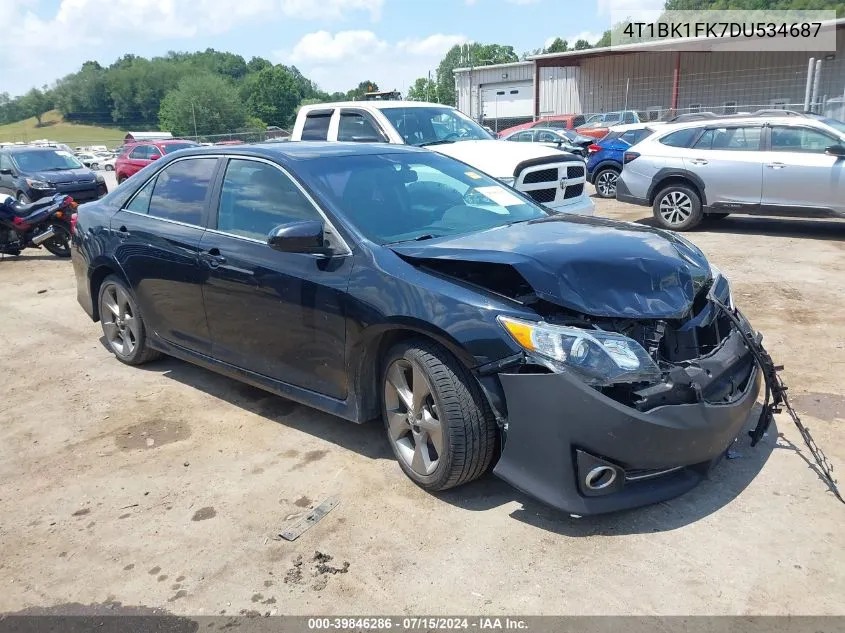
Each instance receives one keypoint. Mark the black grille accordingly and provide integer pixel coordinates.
(575, 171)
(543, 195)
(573, 191)
(544, 175)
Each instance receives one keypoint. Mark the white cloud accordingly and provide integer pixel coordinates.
(337, 61)
(42, 43)
(590, 36)
(605, 7)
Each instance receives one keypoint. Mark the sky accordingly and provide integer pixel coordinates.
(337, 43)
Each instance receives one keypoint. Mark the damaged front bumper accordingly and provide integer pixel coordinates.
(578, 450)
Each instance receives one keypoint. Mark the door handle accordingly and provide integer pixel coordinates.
(698, 161)
(776, 165)
(213, 258)
(123, 233)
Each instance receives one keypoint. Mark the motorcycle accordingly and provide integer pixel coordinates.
(46, 222)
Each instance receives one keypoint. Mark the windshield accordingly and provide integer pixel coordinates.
(431, 126)
(415, 196)
(53, 160)
(835, 124)
(175, 147)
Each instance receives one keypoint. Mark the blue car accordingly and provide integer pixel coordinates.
(605, 164)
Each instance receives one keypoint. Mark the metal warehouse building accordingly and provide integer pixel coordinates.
(652, 78)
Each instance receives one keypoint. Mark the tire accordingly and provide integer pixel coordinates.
(605, 182)
(59, 245)
(677, 208)
(452, 408)
(126, 339)
(94, 166)
(23, 198)
(121, 179)
(109, 167)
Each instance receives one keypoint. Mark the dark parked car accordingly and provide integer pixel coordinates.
(587, 360)
(30, 173)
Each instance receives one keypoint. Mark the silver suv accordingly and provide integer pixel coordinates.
(790, 166)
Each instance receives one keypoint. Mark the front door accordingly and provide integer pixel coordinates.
(798, 175)
(158, 234)
(7, 184)
(728, 161)
(277, 314)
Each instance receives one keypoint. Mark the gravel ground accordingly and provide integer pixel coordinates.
(165, 486)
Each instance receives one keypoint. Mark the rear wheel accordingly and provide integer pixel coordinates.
(109, 167)
(123, 325)
(677, 208)
(439, 425)
(60, 244)
(605, 182)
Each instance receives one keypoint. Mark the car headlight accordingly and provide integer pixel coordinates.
(597, 357)
(38, 184)
(508, 180)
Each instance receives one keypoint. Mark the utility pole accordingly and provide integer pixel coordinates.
(194, 114)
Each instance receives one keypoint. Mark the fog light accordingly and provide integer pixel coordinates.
(600, 478)
(597, 476)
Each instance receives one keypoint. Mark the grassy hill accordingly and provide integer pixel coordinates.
(56, 129)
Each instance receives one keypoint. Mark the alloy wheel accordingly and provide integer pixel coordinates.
(675, 207)
(413, 419)
(119, 323)
(606, 183)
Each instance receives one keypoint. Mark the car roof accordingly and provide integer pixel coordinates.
(19, 149)
(303, 150)
(634, 126)
(378, 105)
(733, 122)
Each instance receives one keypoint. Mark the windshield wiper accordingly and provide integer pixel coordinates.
(442, 141)
(419, 238)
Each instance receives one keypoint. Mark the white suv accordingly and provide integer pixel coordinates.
(790, 166)
(551, 177)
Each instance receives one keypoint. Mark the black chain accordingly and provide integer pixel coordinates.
(776, 400)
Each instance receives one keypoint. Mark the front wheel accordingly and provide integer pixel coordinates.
(23, 198)
(677, 208)
(60, 244)
(109, 167)
(123, 325)
(440, 427)
(606, 183)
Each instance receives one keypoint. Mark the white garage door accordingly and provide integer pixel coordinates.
(508, 100)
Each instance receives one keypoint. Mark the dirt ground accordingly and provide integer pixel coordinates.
(165, 486)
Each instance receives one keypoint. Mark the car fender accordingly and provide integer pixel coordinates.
(607, 162)
(675, 172)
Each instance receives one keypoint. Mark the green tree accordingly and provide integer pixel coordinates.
(423, 89)
(36, 103)
(755, 5)
(581, 45)
(558, 46)
(363, 88)
(273, 95)
(209, 102)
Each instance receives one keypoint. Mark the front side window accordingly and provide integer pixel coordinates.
(681, 138)
(175, 147)
(316, 127)
(142, 152)
(257, 197)
(800, 139)
(46, 160)
(547, 137)
(404, 197)
(524, 137)
(358, 128)
(180, 190)
(434, 125)
(731, 138)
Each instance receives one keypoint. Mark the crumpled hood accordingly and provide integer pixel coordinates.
(82, 174)
(498, 158)
(591, 265)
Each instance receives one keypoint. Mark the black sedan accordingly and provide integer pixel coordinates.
(590, 362)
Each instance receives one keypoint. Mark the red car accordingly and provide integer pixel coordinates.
(558, 121)
(136, 156)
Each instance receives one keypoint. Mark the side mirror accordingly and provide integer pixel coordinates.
(155, 156)
(299, 237)
(6, 172)
(836, 150)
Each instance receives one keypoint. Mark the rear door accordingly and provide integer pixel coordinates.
(727, 160)
(798, 175)
(158, 234)
(281, 315)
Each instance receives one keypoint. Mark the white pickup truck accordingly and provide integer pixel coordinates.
(551, 177)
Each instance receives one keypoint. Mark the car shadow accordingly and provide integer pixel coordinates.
(727, 480)
(29, 258)
(773, 227)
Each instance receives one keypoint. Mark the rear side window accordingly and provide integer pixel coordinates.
(736, 138)
(5, 161)
(610, 136)
(316, 126)
(680, 138)
(632, 137)
(180, 190)
(257, 197)
(524, 137)
(141, 202)
(547, 137)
